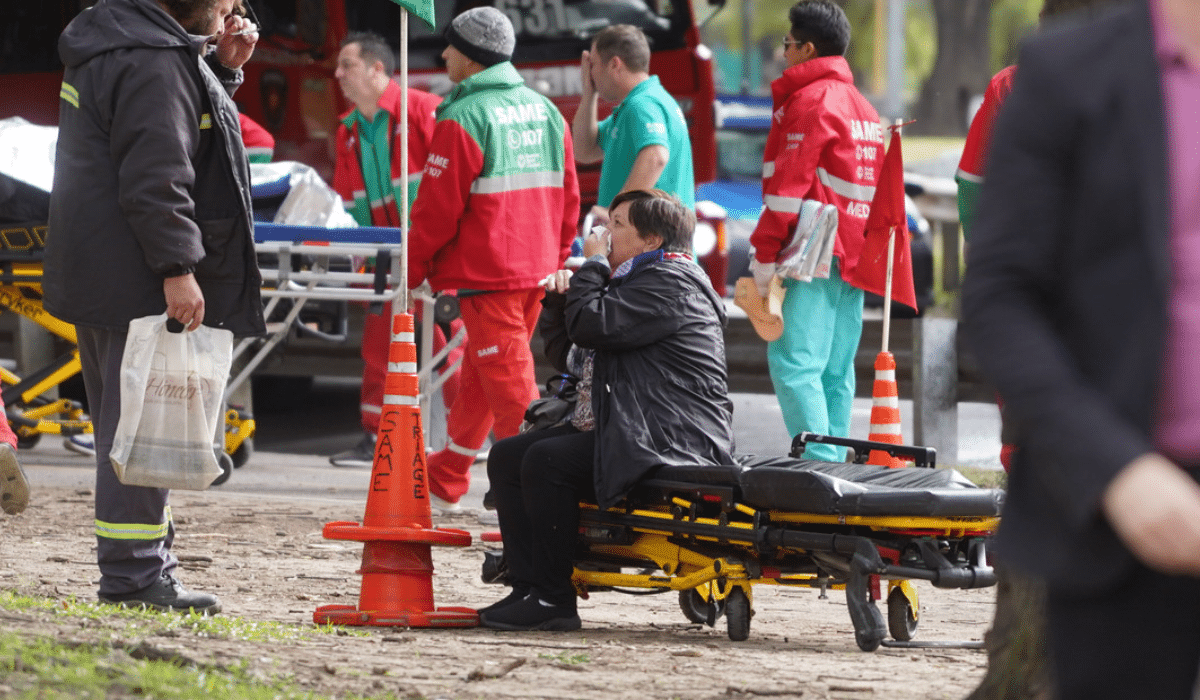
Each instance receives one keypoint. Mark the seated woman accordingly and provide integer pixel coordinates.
(654, 325)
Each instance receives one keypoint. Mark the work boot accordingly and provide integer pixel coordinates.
(14, 489)
(361, 455)
(169, 595)
(532, 613)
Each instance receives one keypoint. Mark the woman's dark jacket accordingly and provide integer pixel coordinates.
(150, 175)
(659, 384)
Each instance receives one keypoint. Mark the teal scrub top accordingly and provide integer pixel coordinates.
(647, 116)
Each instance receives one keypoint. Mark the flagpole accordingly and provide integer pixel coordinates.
(887, 289)
(400, 303)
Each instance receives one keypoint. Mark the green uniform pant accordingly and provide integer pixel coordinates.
(812, 364)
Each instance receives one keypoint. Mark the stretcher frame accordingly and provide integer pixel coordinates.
(305, 258)
(702, 542)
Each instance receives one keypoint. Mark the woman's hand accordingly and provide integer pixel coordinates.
(558, 282)
(597, 242)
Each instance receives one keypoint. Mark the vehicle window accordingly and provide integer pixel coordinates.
(29, 34)
(740, 154)
(291, 19)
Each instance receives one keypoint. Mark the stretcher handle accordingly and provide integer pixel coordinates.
(921, 456)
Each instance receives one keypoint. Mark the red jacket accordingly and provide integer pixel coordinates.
(499, 201)
(347, 174)
(826, 143)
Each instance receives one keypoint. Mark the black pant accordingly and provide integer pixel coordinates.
(538, 479)
(134, 531)
(1139, 640)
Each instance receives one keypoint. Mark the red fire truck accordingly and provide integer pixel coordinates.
(290, 88)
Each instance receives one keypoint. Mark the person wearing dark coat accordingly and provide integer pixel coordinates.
(150, 213)
(658, 394)
(1080, 303)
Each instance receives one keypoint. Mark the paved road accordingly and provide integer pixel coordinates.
(295, 440)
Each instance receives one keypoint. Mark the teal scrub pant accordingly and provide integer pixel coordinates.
(812, 364)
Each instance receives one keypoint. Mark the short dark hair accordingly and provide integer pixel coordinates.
(626, 41)
(657, 212)
(823, 23)
(373, 48)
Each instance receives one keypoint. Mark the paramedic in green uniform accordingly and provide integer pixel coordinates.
(644, 143)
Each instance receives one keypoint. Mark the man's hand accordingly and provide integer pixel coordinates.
(763, 272)
(235, 45)
(588, 88)
(600, 215)
(1154, 507)
(185, 301)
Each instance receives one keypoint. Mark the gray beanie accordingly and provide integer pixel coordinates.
(483, 34)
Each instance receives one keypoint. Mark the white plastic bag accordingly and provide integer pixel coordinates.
(172, 390)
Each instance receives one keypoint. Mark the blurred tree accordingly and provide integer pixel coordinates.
(961, 70)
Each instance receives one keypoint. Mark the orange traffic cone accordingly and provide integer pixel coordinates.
(397, 532)
(885, 411)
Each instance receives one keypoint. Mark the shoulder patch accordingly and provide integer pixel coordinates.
(70, 94)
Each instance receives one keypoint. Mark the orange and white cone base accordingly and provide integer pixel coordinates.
(397, 532)
(885, 411)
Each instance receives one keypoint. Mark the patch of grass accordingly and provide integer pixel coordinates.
(985, 478)
(567, 658)
(111, 663)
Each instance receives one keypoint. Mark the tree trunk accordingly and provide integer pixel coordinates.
(1016, 643)
(960, 71)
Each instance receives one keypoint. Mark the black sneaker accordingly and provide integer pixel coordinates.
(361, 455)
(14, 489)
(169, 595)
(532, 613)
(517, 593)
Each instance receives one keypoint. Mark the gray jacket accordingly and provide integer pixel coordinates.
(150, 175)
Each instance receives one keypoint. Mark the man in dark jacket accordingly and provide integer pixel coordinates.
(150, 213)
(658, 396)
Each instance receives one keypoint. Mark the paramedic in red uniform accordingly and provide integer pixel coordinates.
(826, 145)
(496, 213)
(368, 175)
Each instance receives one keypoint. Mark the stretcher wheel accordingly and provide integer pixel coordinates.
(902, 622)
(226, 464)
(25, 442)
(737, 615)
(242, 454)
(698, 610)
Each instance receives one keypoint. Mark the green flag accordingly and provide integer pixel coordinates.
(420, 8)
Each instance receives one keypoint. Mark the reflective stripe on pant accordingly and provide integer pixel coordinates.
(134, 531)
(377, 336)
(812, 364)
(496, 386)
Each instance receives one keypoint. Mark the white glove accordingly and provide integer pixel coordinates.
(763, 272)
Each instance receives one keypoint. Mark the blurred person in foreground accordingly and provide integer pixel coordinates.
(151, 214)
(1080, 298)
(653, 325)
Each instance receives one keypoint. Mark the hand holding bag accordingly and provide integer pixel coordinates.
(172, 390)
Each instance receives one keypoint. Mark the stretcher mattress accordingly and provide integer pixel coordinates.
(834, 488)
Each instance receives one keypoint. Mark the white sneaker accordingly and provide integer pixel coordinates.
(14, 489)
(440, 506)
(83, 443)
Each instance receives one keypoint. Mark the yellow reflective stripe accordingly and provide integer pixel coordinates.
(134, 531)
(206, 121)
(70, 94)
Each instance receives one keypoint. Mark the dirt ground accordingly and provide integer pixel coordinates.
(267, 560)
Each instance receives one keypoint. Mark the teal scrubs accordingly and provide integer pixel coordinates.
(812, 364)
(647, 116)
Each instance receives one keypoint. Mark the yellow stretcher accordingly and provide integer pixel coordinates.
(713, 533)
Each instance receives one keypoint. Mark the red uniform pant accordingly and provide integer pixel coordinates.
(377, 336)
(496, 386)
